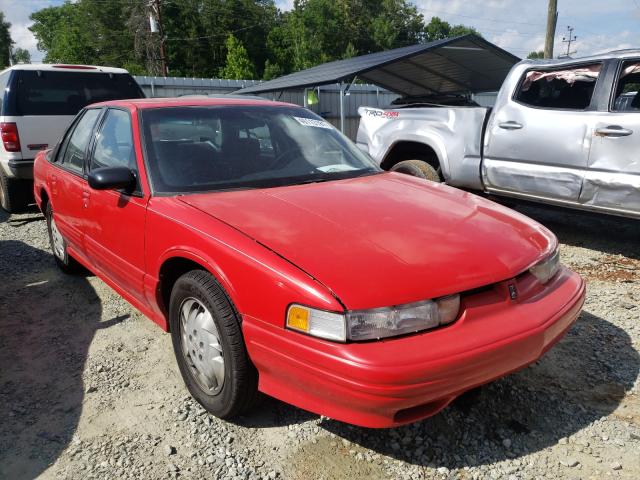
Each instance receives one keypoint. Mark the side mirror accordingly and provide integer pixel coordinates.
(112, 178)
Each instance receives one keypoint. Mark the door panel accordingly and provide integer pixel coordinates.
(115, 226)
(545, 156)
(67, 190)
(67, 183)
(114, 237)
(613, 178)
(537, 143)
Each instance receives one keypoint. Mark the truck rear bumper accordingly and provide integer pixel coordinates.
(22, 169)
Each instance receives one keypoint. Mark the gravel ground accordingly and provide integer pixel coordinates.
(89, 388)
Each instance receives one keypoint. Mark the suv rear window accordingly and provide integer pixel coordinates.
(66, 93)
(568, 89)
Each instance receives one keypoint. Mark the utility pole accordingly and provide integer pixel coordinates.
(155, 23)
(568, 40)
(552, 19)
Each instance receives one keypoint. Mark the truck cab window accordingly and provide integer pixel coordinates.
(568, 89)
(627, 98)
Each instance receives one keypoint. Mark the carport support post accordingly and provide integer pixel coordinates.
(304, 98)
(342, 107)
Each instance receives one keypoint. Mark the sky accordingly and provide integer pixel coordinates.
(515, 25)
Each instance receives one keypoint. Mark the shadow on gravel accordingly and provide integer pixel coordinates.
(273, 413)
(582, 379)
(47, 322)
(605, 233)
(19, 222)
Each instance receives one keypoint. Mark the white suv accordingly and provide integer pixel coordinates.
(37, 104)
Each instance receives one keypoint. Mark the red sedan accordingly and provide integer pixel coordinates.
(283, 261)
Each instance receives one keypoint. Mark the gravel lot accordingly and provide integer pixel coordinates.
(89, 388)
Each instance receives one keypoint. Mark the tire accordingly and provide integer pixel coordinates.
(216, 367)
(417, 168)
(58, 244)
(15, 194)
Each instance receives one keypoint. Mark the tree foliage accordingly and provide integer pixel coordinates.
(6, 43)
(238, 65)
(21, 55)
(536, 55)
(251, 38)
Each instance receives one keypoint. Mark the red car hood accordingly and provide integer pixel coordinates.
(385, 239)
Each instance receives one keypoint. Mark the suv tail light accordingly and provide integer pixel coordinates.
(10, 137)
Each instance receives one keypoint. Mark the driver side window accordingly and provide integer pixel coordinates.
(114, 144)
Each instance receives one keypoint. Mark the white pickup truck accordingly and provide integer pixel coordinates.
(565, 132)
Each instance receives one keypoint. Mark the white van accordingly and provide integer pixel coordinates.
(37, 104)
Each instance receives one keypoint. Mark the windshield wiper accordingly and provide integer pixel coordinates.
(317, 180)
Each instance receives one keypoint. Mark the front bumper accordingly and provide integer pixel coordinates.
(396, 381)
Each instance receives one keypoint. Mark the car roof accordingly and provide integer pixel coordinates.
(630, 53)
(62, 67)
(145, 103)
(222, 95)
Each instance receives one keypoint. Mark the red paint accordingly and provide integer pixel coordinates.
(362, 243)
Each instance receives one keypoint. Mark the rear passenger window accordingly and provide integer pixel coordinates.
(114, 145)
(74, 153)
(567, 89)
(4, 79)
(627, 97)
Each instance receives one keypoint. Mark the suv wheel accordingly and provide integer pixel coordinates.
(14, 193)
(209, 347)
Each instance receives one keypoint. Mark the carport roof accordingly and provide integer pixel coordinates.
(462, 64)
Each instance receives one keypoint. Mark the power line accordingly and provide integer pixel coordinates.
(570, 38)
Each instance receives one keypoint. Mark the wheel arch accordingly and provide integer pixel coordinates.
(44, 199)
(411, 150)
(177, 263)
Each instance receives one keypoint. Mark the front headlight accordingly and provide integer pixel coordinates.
(358, 325)
(547, 268)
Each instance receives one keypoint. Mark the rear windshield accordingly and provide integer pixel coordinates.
(66, 93)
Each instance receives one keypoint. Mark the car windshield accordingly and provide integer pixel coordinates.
(207, 148)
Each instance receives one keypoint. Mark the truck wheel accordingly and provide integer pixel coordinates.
(417, 168)
(209, 347)
(14, 193)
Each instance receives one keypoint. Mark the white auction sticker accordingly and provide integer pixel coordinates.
(312, 122)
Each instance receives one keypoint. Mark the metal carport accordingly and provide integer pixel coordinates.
(465, 64)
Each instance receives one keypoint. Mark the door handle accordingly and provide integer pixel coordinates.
(510, 125)
(85, 199)
(613, 131)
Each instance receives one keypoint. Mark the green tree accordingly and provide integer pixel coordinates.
(350, 51)
(196, 34)
(6, 43)
(87, 31)
(271, 70)
(397, 24)
(238, 65)
(21, 55)
(438, 29)
(535, 55)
